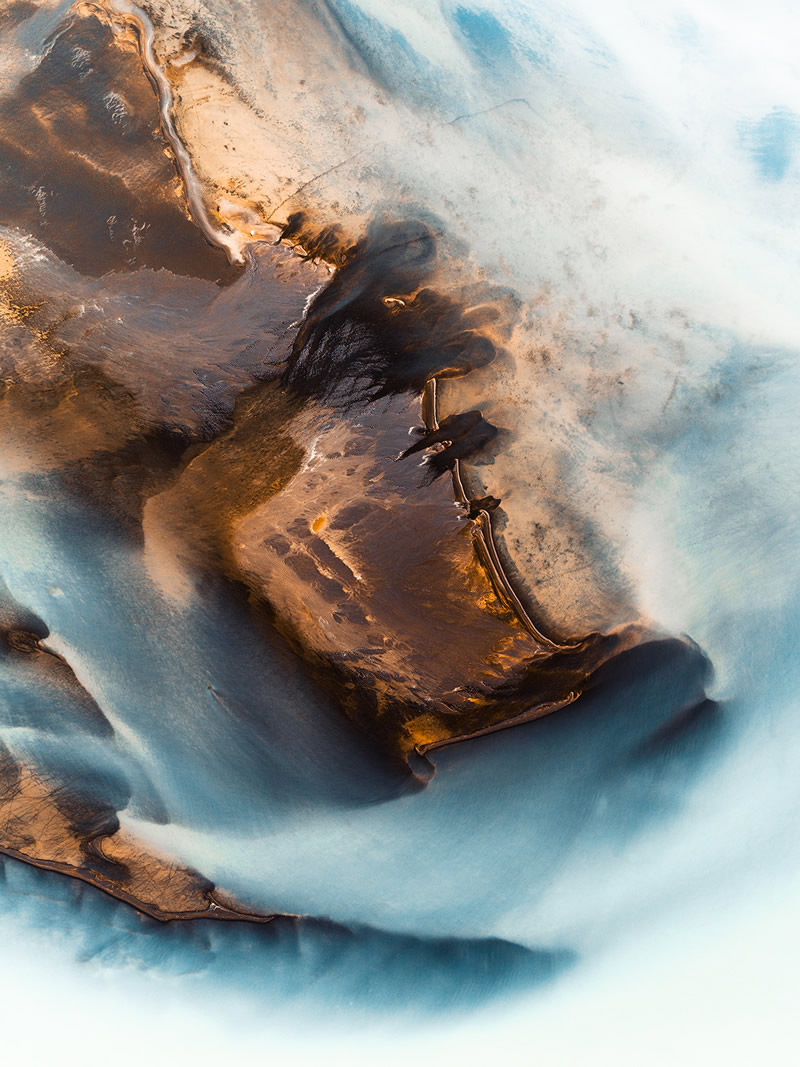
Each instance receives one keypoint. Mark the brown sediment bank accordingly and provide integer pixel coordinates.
(58, 831)
(221, 235)
(331, 243)
(250, 112)
(284, 468)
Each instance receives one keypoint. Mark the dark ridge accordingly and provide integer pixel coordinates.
(376, 330)
(458, 437)
(482, 503)
(328, 242)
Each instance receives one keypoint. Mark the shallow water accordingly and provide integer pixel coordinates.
(290, 630)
